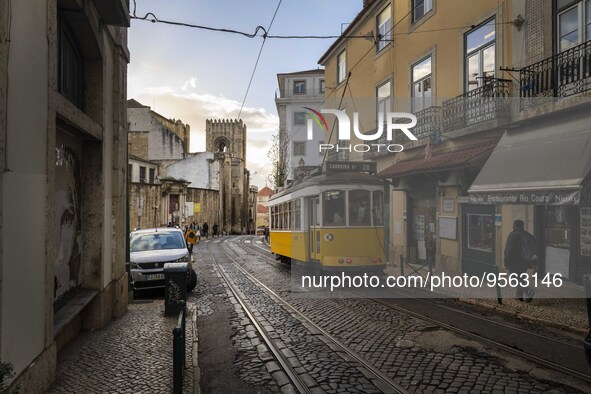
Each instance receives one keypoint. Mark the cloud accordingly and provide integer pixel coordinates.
(194, 109)
(190, 83)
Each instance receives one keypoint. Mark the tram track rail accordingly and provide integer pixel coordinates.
(468, 334)
(290, 371)
(380, 379)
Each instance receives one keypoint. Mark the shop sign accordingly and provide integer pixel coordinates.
(528, 197)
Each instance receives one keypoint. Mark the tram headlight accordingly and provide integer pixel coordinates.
(341, 260)
(349, 261)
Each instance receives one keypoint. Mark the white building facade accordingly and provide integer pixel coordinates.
(299, 93)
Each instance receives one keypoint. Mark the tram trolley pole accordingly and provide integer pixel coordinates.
(178, 350)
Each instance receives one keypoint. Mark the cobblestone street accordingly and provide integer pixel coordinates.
(256, 336)
(132, 354)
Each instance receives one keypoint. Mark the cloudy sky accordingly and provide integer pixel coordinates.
(193, 74)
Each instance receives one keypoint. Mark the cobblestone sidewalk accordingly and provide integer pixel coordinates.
(132, 354)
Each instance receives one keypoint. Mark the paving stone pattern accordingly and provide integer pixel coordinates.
(309, 355)
(131, 354)
(419, 356)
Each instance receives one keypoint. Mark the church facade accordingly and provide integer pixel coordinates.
(170, 184)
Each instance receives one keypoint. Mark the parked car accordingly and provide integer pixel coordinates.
(150, 249)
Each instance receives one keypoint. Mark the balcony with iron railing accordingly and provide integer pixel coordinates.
(489, 102)
(428, 128)
(565, 74)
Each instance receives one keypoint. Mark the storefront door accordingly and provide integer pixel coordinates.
(478, 239)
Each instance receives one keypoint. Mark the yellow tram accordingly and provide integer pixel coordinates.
(331, 221)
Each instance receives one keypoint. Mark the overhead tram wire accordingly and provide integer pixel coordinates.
(258, 58)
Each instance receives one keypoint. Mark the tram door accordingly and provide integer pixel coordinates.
(313, 228)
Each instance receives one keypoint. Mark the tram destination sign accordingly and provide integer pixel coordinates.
(541, 197)
(351, 166)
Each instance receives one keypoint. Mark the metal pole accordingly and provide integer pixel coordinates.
(177, 362)
(587, 341)
(499, 296)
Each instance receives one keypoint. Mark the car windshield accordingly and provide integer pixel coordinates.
(156, 241)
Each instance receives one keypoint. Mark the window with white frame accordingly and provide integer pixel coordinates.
(299, 118)
(384, 28)
(299, 87)
(299, 149)
(480, 55)
(341, 67)
(421, 85)
(420, 8)
(573, 23)
(322, 86)
(383, 100)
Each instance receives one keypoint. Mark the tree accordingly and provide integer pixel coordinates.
(278, 153)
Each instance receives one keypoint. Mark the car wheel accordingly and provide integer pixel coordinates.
(192, 281)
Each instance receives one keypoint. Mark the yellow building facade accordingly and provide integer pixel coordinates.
(473, 74)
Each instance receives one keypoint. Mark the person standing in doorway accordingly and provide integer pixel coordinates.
(519, 255)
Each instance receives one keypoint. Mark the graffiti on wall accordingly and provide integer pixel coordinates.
(68, 217)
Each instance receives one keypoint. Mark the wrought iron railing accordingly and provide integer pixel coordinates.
(487, 102)
(428, 123)
(428, 126)
(564, 74)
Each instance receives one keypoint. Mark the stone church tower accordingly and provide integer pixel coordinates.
(227, 138)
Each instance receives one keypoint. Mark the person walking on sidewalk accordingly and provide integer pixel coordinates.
(520, 253)
(191, 238)
(215, 230)
(205, 229)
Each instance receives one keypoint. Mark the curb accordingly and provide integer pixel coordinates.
(195, 356)
(508, 312)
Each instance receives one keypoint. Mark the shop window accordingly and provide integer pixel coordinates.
(334, 208)
(359, 205)
(377, 208)
(480, 232)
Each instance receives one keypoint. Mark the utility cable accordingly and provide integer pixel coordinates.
(258, 58)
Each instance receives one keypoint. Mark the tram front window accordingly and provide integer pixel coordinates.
(334, 208)
(359, 208)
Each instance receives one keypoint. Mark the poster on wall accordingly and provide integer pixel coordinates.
(447, 227)
(586, 231)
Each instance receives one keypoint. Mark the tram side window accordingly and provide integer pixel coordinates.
(290, 215)
(359, 208)
(297, 215)
(378, 208)
(334, 208)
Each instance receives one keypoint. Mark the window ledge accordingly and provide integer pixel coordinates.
(72, 308)
(414, 25)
